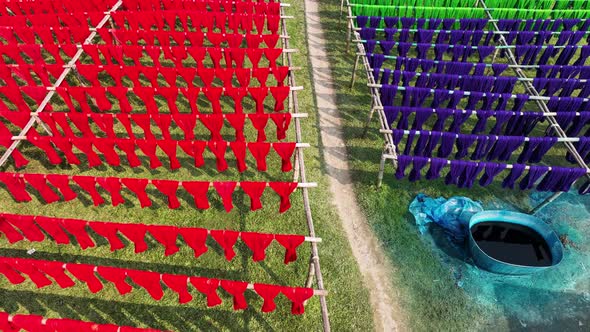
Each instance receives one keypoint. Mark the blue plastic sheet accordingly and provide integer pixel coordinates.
(451, 214)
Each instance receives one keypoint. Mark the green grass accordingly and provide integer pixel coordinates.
(428, 295)
(348, 299)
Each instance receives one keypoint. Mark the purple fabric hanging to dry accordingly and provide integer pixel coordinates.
(458, 51)
(391, 113)
(501, 118)
(407, 22)
(446, 145)
(491, 170)
(583, 148)
(433, 23)
(420, 117)
(474, 98)
(556, 24)
(488, 100)
(402, 163)
(391, 22)
(439, 50)
(424, 36)
(519, 102)
(426, 65)
(447, 23)
(421, 143)
(412, 64)
(385, 76)
(455, 99)
(456, 170)
(368, 33)
(510, 36)
(374, 21)
(441, 116)
(396, 77)
(417, 165)
(504, 98)
(458, 120)
(436, 165)
(463, 143)
(422, 50)
(563, 37)
(403, 48)
(483, 147)
(476, 38)
(387, 94)
(470, 174)
(564, 119)
(361, 21)
(404, 34)
(583, 120)
(488, 38)
(534, 173)
(403, 120)
(485, 51)
(370, 46)
(435, 137)
(504, 147)
(584, 53)
(546, 55)
(389, 33)
(585, 25)
(466, 37)
(524, 37)
(455, 36)
(542, 148)
(376, 60)
(442, 37)
(479, 70)
(551, 181)
(565, 56)
(514, 174)
(569, 23)
(409, 142)
(386, 46)
(482, 118)
(420, 95)
(439, 97)
(504, 84)
(397, 137)
(499, 68)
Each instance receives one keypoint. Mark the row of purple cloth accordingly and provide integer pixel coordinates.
(507, 123)
(377, 61)
(473, 38)
(525, 54)
(464, 174)
(494, 84)
(474, 23)
(422, 143)
(416, 97)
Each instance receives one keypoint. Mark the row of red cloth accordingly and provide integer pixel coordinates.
(207, 76)
(187, 122)
(117, 54)
(148, 20)
(32, 227)
(106, 147)
(93, 74)
(16, 185)
(39, 272)
(147, 95)
(270, 7)
(28, 35)
(35, 323)
(18, 8)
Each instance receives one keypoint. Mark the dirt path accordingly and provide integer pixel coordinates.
(375, 267)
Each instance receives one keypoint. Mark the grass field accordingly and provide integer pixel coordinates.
(348, 300)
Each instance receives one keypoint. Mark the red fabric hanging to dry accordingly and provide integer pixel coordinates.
(209, 288)
(179, 285)
(188, 75)
(254, 54)
(39, 182)
(297, 295)
(194, 149)
(237, 120)
(27, 323)
(52, 227)
(88, 183)
(44, 144)
(65, 145)
(108, 231)
(78, 229)
(150, 281)
(13, 276)
(213, 94)
(280, 94)
(218, 148)
(237, 94)
(187, 123)
(85, 145)
(259, 122)
(105, 123)
(254, 190)
(259, 94)
(280, 74)
(169, 147)
(226, 239)
(268, 294)
(171, 95)
(284, 190)
(192, 94)
(143, 120)
(138, 187)
(261, 75)
(128, 147)
(136, 234)
(163, 121)
(260, 151)
(239, 149)
(195, 238)
(12, 235)
(113, 186)
(199, 192)
(85, 273)
(126, 122)
(236, 289)
(57, 272)
(16, 186)
(63, 184)
(285, 151)
(290, 242)
(207, 75)
(282, 121)
(168, 188)
(107, 148)
(120, 94)
(272, 55)
(37, 277)
(27, 227)
(243, 75)
(167, 236)
(225, 191)
(6, 141)
(117, 276)
(148, 147)
(257, 243)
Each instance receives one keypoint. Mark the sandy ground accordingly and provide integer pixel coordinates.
(374, 265)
